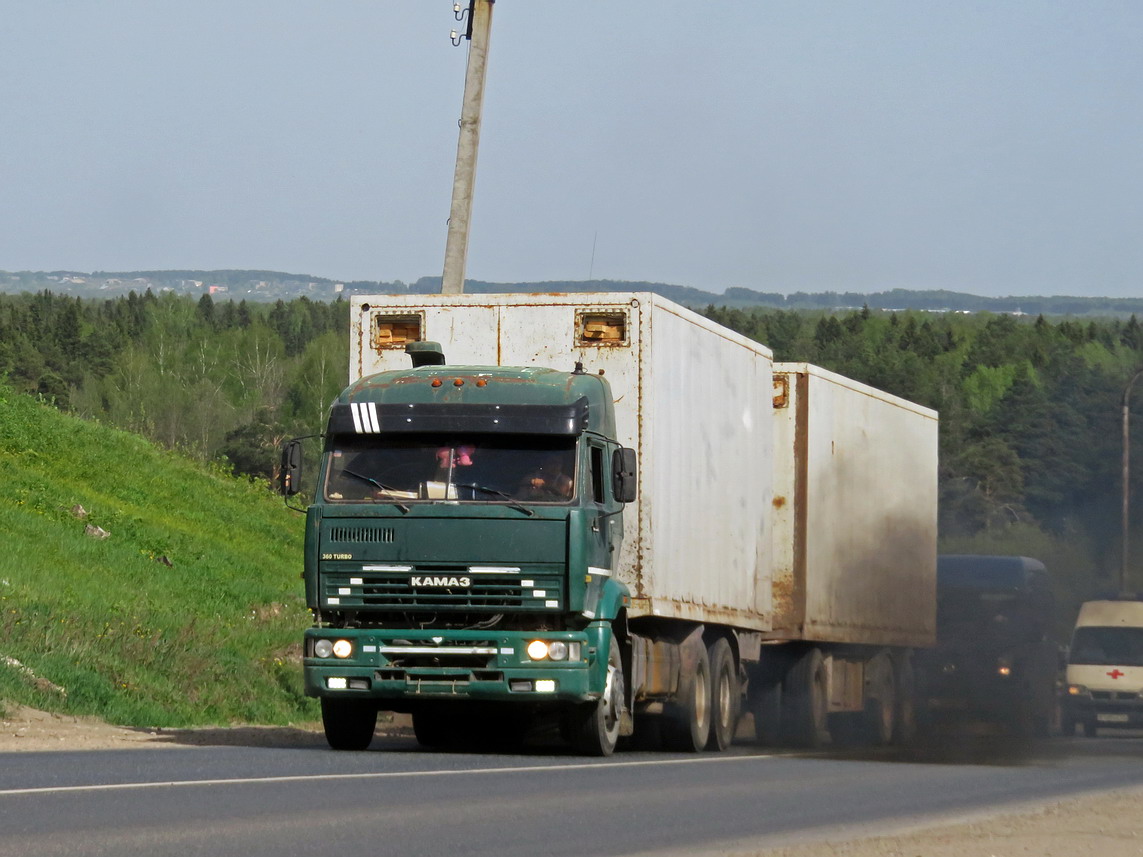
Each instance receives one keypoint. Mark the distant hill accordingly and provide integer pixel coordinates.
(278, 285)
(190, 612)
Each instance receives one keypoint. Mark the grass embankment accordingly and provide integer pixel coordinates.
(107, 627)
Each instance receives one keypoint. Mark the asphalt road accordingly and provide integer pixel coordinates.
(397, 800)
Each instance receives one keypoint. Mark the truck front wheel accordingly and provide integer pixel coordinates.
(594, 728)
(348, 723)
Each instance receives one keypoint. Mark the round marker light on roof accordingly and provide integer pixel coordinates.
(459, 382)
(436, 382)
(481, 382)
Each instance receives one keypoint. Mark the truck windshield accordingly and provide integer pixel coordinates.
(1103, 646)
(987, 618)
(476, 468)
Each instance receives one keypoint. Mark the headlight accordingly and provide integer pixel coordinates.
(343, 648)
(537, 650)
(323, 648)
(1077, 690)
(558, 650)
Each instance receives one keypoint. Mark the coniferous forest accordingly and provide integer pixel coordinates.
(1030, 407)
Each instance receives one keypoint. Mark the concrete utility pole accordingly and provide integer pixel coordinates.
(456, 248)
(1126, 480)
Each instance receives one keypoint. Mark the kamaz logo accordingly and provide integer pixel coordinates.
(441, 581)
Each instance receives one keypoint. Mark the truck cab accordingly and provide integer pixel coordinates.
(460, 549)
(994, 664)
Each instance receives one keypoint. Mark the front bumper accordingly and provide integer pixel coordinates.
(1104, 709)
(405, 667)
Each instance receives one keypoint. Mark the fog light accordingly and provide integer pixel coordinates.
(537, 650)
(323, 648)
(545, 685)
(337, 683)
(558, 650)
(343, 648)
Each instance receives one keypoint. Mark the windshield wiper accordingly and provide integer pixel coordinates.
(512, 504)
(377, 484)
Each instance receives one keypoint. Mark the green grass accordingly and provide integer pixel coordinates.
(102, 627)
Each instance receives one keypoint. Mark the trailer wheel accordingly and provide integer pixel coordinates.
(880, 702)
(686, 728)
(724, 695)
(906, 730)
(766, 706)
(805, 701)
(594, 728)
(348, 723)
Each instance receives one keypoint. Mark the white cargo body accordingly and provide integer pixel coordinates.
(691, 397)
(855, 512)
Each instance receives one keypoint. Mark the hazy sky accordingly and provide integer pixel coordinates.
(989, 146)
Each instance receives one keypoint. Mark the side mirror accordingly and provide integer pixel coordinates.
(624, 475)
(290, 473)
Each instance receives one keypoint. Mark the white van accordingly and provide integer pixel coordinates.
(1105, 668)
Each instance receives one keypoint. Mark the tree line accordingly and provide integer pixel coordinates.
(1030, 442)
(1030, 417)
(213, 379)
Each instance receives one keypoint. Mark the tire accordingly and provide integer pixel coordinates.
(686, 728)
(805, 704)
(432, 729)
(348, 723)
(593, 728)
(724, 695)
(880, 720)
(766, 706)
(906, 727)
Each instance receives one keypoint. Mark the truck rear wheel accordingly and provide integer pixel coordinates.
(805, 701)
(594, 728)
(348, 723)
(686, 727)
(724, 695)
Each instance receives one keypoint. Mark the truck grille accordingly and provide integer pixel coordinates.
(1113, 694)
(363, 535)
(437, 588)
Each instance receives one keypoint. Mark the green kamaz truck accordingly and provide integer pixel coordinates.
(610, 514)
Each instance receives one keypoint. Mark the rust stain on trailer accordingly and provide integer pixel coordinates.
(779, 501)
(782, 595)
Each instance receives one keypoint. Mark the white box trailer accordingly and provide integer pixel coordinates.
(855, 512)
(691, 397)
(814, 519)
(785, 520)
